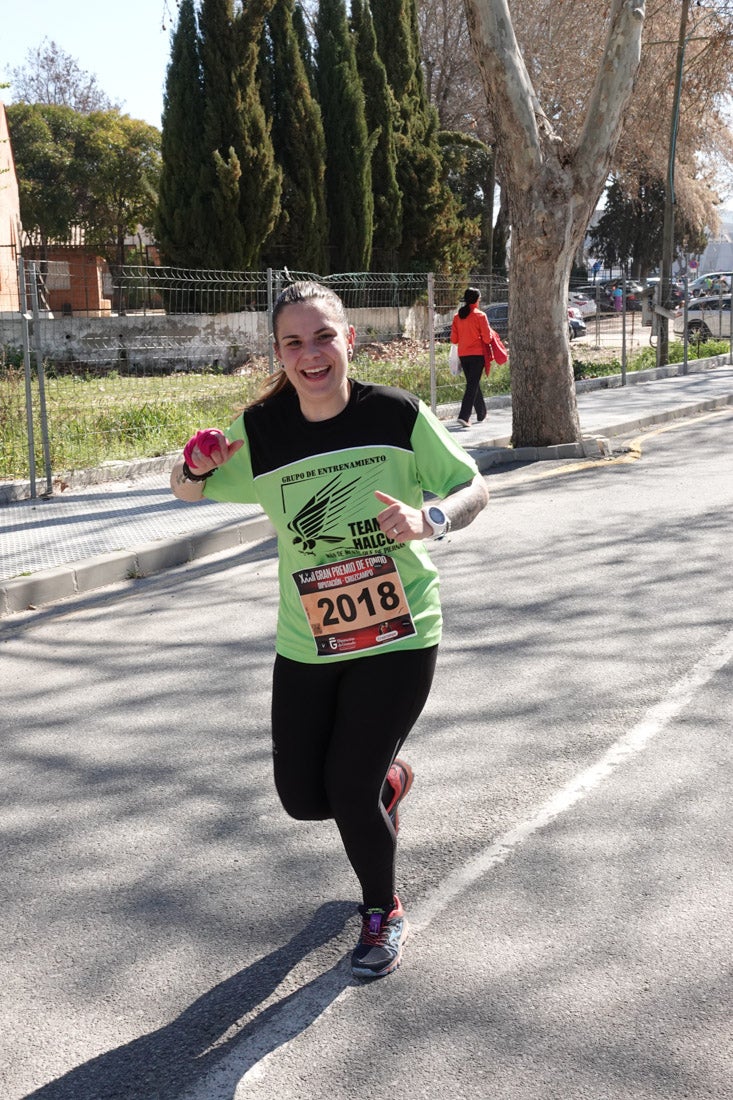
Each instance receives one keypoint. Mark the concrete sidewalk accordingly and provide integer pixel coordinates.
(85, 539)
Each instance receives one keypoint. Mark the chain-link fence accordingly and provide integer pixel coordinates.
(117, 364)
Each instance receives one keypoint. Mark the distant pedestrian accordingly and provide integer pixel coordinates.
(471, 332)
(618, 297)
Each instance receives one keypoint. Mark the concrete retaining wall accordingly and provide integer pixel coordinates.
(188, 341)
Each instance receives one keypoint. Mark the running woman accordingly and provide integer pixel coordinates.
(340, 467)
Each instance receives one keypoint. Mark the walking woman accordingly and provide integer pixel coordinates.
(340, 466)
(470, 330)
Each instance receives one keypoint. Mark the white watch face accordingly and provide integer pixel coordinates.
(438, 521)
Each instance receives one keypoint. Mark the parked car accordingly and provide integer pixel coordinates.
(587, 306)
(705, 285)
(706, 318)
(497, 315)
(595, 293)
(652, 283)
(602, 294)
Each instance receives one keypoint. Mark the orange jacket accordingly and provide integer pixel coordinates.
(472, 333)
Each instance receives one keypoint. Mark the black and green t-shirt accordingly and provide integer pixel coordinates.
(346, 589)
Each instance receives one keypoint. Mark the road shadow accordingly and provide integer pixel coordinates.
(166, 1063)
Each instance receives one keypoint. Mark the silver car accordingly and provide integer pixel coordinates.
(707, 318)
(714, 282)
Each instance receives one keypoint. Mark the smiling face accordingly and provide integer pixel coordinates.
(314, 346)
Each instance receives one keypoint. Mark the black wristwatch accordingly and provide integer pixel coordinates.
(188, 476)
(437, 520)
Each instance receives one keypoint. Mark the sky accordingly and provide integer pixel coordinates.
(125, 45)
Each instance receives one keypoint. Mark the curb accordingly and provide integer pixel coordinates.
(80, 578)
(497, 452)
(10, 491)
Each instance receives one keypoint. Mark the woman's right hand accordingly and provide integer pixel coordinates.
(208, 449)
(204, 451)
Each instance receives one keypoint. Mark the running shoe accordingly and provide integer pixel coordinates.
(379, 950)
(399, 780)
(463, 423)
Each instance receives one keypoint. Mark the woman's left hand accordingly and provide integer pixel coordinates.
(400, 522)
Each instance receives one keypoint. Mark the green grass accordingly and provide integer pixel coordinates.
(601, 362)
(103, 416)
(111, 418)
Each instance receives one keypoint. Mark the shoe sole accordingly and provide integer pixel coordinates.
(410, 775)
(369, 975)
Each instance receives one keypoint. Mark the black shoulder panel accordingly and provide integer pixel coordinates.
(279, 434)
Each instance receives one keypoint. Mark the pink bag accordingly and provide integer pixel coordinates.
(496, 351)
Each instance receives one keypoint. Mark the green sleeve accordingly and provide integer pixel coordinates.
(442, 463)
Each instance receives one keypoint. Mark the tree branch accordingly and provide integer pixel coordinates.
(517, 119)
(612, 90)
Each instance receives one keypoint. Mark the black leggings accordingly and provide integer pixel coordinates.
(473, 368)
(336, 728)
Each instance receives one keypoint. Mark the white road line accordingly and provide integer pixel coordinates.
(248, 1060)
(628, 746)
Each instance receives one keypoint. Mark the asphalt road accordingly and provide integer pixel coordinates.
(168, 933)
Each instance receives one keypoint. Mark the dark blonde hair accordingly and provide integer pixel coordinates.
(307, 290)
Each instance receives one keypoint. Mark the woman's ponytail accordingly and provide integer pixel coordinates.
(470, 297)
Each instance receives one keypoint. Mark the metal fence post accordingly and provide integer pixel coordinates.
(40, 374)
(25, 329)
(686, 335)
(598, 316)
(431, 341)
(270, 303)
(624, 315)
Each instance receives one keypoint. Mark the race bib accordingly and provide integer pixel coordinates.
(354, 605)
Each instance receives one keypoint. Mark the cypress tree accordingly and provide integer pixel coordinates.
(259, 206)
(242, 178)
(222, 135)
(348, 154)
(304, 44)
(381, 117)
(396, 46)
(432, 230)
(180, 217)
(301, 238)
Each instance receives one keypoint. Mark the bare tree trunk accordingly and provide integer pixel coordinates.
(543, 387)
(552, 191)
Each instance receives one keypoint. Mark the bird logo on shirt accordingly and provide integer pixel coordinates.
(321, 516)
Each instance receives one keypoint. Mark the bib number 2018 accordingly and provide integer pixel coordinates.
(345, 608)
(355, 604)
